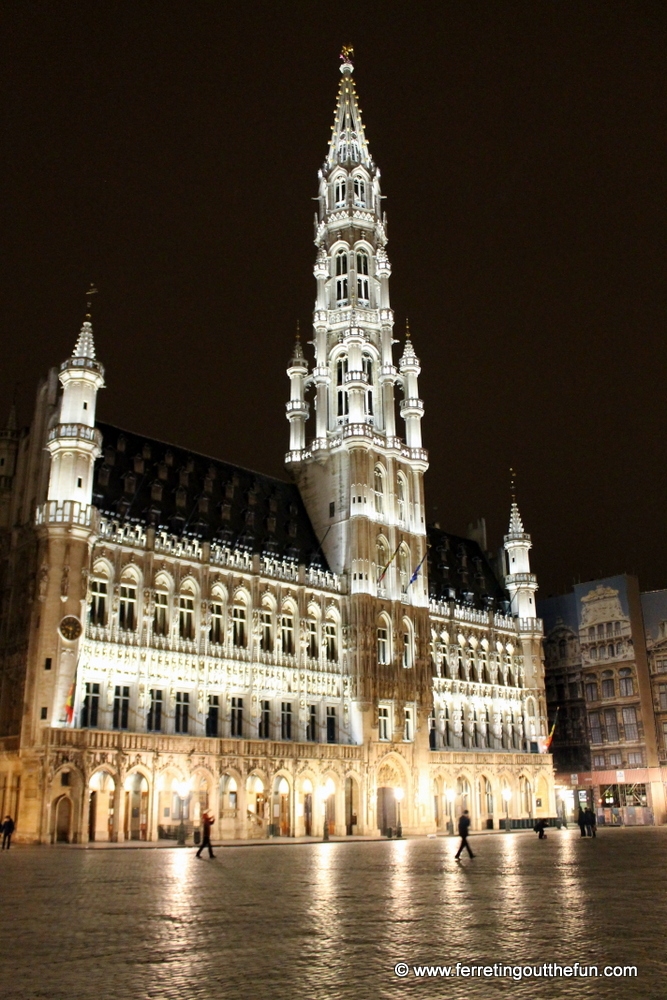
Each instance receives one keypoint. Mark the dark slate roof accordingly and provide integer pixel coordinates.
(140, 480)
(459, 570)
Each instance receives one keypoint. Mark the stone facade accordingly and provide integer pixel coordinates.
(181, 634)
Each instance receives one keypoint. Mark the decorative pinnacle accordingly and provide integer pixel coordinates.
(407, 328)
(513, 484)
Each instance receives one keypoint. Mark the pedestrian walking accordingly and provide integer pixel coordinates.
(207, 823)
(464, 826)
(581, 821)
(590, 822)
(7, 828)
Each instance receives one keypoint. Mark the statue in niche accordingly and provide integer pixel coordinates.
(64, 583)
(43, 582)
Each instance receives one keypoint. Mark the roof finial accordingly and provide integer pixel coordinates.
(407, 328)
(298, 331)
(513, 484)
(89, 304)
(347, 55)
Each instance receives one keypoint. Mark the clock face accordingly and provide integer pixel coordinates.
(70, 628)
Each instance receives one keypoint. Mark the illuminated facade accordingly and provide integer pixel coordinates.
(606, 675)
(184, 633)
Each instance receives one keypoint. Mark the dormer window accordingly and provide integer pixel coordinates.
(340, 193)
(341, 278)
(363, 285)
(359, 192)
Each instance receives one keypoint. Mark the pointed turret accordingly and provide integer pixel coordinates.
(75, 443)
(348, 143)
(297, 408)
(412, 407)
(520, 582)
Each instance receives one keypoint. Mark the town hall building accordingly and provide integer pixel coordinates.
(300, 657)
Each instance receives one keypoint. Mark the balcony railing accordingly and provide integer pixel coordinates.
(67, 512)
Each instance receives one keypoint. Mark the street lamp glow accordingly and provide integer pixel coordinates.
(182, 788)
(451, 794)
(399, 794)
(507, 794)
(329, 788)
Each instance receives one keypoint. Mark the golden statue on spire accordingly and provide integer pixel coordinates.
(347, 54)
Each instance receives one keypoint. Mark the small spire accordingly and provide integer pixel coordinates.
(85, 345)
(407, 328)
(298, 349)
(513, 484)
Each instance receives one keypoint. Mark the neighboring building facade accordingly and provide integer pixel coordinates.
(179, 633)
(604, 650)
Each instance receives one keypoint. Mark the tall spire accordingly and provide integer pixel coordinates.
(348, 143)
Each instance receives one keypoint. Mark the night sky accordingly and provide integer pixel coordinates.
(169, 152)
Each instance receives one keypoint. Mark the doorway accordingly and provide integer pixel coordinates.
(63, 820)
(386, 810)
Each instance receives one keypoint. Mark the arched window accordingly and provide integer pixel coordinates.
(608, 686)
(186, 612)
(626, 684)
(402, 498)
(408, 645)
(217, 633)
(404, 569)
(367, 366)
(312, 644)
(99, 595)
(359, 192)
(379, 491)
(342, 402)
(363, 280)
(239, 623)
(341, 278)
(163, 590)
(127, 608)
(287, 630)
(331, 640)
(266, 627)
(340, 192)
(384, 641)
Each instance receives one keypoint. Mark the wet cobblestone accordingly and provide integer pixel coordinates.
(332, 920)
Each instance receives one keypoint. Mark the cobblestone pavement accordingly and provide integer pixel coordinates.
(332, 920)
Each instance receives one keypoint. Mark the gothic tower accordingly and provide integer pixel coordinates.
(67, 525)
(361, 476)
(521, 586)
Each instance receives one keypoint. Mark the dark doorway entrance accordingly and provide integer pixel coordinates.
(386, 810)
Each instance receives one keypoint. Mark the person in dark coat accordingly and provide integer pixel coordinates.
(207, 823)
(581, 820)
(464, 826)
(590, 823)
(540, 827)
(8, 828)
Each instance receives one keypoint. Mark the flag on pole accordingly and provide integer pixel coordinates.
(69, 704)
(416, 572)
(382, 574)
(549, 739)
